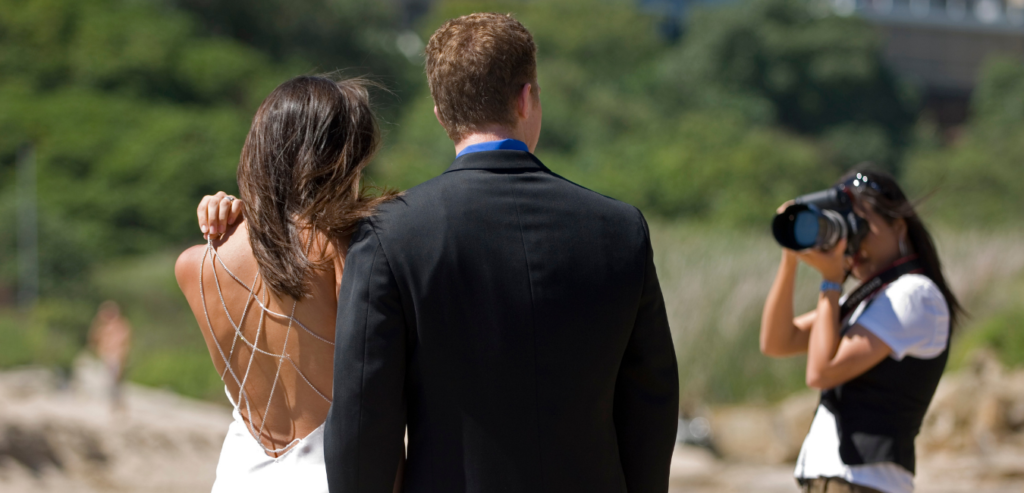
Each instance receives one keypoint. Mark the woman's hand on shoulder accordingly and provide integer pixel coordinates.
(217, 212)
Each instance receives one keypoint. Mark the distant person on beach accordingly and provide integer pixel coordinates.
(265, 289)
(877, 361)
(110, 337)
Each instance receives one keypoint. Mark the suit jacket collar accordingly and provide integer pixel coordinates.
(500, 160)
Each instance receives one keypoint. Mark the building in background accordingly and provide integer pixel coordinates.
(941, 44)
(937, 45)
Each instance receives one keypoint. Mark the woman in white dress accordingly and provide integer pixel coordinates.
(264, 290)
(877, 357)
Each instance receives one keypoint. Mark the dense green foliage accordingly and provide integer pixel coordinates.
(979, 179)
(132, 117)
(355, 37)
(787, 62)
(656, 123)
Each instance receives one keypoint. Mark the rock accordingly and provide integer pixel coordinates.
(793, 417)
(54, 438)
(28, 447)
(27, 382)
(976, 410)
(764, 434)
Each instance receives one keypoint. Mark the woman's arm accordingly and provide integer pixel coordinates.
(858, 351)
(781, 334)
(833, 359)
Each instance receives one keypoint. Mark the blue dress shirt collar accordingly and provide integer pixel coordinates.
(494, 145)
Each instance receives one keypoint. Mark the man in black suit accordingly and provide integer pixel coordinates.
(511, 319)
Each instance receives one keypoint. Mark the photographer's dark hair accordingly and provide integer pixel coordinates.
(299, 175)
(891, 203)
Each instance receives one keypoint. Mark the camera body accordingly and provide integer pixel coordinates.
(819, 220)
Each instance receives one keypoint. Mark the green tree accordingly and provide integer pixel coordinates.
(595, 60)
(979, 178)
(357, 37)
(705, 165)
(791, 62)
(133, 116)
(616, 120)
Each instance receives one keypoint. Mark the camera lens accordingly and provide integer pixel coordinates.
(820, 220)
(805, 228)
(833, 229)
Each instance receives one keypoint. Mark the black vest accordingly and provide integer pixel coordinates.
(879, 413)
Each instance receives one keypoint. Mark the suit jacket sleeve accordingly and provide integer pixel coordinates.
(647, 391)
(365, 426)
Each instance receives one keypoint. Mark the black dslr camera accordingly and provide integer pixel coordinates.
(820, 219)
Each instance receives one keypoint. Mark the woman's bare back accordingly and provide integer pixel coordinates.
(292, 368)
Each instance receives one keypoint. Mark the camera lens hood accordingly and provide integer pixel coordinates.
(803, 226)
(797, 227)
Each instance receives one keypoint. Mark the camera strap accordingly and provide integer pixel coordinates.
(906, 265)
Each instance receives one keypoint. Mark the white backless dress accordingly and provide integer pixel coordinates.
(245, 467)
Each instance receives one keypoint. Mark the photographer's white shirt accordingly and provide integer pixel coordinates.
(912, 318)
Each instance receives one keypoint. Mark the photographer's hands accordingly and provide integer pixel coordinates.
(832, 264)
(832, 357)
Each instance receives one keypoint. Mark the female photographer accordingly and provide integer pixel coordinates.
(877, 354)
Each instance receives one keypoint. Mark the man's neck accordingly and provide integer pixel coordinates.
(483, 136)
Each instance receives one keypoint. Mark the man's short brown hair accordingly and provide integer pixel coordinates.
(476, 66)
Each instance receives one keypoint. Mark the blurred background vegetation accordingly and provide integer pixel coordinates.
(134, 109)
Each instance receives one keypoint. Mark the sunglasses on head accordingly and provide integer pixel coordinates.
(861, 180)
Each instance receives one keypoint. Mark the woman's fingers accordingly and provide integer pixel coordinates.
(211, 214)
(208, 215)
(203, 215)
(223, 211)
(228, 210)
(840, 249)
(784, 206)
(216, 212)
(236, 210)
(831, 264)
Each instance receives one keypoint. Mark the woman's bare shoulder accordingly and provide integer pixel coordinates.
(234, 244)
(186, 268)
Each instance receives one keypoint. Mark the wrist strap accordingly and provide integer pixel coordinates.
(831, 286)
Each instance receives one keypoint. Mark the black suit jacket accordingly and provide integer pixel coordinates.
(514, 322)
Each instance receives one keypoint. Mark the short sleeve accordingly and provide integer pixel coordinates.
(911, 316)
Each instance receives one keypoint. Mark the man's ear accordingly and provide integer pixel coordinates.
(524, 101)
(437, 114)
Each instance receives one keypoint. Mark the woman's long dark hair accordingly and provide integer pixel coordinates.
(892, 204)
(299, 175)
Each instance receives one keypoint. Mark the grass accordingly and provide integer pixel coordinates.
(51, 334)
(714, 281)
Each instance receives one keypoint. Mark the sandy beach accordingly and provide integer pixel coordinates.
(62, 436)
